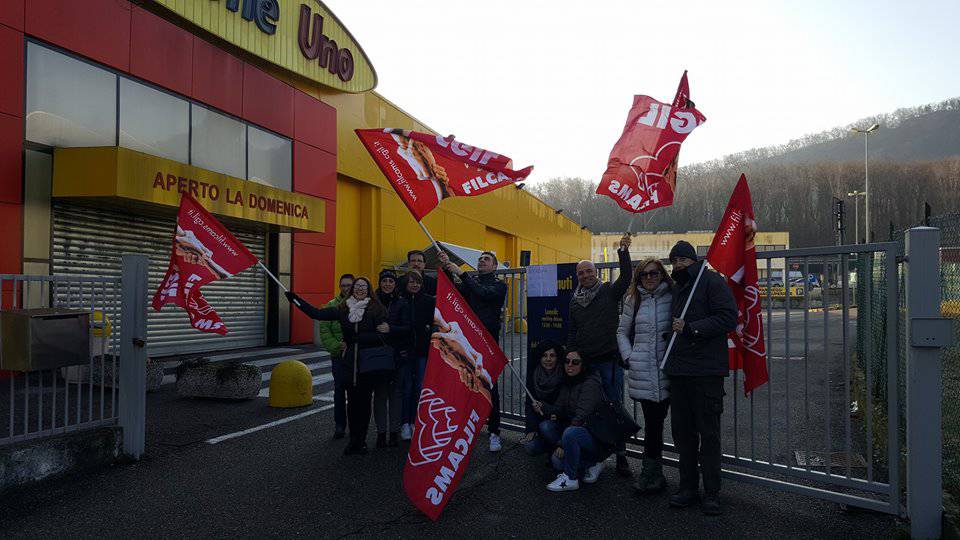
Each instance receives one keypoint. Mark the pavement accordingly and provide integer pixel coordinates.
(293, 481)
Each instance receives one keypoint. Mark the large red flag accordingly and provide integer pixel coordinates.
(642, 169)
(734, 254)
(425, 169)
(462, 367)
(203, 251)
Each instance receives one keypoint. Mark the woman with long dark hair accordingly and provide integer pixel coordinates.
(642, 335)
(363, 321)
(543, 380)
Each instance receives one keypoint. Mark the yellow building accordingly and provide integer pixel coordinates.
(658, 244)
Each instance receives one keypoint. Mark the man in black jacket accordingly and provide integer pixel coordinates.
(592, 328)
(696, 367)
(485, 294)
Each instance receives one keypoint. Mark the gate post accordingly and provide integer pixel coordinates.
(924, 385)
(133, 353)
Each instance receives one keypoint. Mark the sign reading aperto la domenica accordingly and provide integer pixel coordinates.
(328, 54)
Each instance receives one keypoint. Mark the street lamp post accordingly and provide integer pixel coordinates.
(856, 212)
(866, 173)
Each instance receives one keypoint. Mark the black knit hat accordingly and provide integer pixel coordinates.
(683, 249)
(388, 273)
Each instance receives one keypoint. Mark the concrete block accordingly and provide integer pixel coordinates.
(200, 378)
(35, 460)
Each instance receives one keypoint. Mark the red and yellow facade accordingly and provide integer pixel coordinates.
(312, 89)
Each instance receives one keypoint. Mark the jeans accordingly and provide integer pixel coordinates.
(339, 396)
(611, 375)
(695, 422)
(580, 450)
(411, 381)
(548, 437)
(653, 416)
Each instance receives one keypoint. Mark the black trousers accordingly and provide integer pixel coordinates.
(493, 422)
(654, 415)
(695, 423)
(359, 399)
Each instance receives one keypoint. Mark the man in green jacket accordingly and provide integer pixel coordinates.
(331, 337)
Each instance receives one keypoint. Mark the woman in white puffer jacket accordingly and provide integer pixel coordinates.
(645, 323)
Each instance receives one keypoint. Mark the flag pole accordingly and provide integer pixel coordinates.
(630, 225)
(430, 236)
(683, 314)
(269, 273)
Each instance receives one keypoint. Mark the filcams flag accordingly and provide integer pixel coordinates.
(203, 251)
(641, 172)
(463, 365)
(734, 254)
(425, 169)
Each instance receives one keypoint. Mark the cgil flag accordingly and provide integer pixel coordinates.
(425, 169)
(203, 251)
(463, 365)
(734, 254)
(641, 172)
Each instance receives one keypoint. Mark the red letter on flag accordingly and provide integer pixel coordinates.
(464, 364)
(641, 172)
(425, 169)
(203, 251)
(734, 254)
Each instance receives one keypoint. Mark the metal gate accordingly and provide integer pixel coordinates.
(89, 242)
(829, 423)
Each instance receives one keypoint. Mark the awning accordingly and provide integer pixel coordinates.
(458, 254)
(108, 174)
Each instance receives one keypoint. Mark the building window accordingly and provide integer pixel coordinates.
(69, 102)
(154, 122)
(218, 142)
(270, 159)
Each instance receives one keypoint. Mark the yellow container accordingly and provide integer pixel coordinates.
(291, 385)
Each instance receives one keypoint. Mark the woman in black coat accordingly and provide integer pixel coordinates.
(363, 322)
(544, 379)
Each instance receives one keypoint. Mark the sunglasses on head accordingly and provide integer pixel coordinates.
(572, 361)
(655, 273)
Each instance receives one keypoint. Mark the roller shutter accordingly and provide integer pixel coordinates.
(89, 241)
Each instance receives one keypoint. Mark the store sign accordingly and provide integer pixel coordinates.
(112, 172)
(301, 36)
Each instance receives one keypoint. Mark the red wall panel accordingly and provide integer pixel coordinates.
(312, 267)
(12, 13)
(217, 78)
(315, 122)
(314, 171)
(11, 238)
(99, 29)
(11, 68)
(267, 101)
(161, 52)
(11, 160)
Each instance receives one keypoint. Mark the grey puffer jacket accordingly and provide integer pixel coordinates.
(653, 320)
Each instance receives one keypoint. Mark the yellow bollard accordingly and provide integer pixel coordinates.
(291, 385)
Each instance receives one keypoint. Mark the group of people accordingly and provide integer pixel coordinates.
(624, 327)
(379, 341)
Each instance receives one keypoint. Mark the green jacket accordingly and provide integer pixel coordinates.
(330, 334)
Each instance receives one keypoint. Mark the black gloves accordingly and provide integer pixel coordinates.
(292, 297)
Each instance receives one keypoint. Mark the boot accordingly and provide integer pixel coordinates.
(651, 478)
(356, 447)
(381, 440)
(623, 466)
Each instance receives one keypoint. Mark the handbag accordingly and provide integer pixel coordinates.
(610, 423)
(373, 359)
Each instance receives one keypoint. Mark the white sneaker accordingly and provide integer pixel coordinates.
(563, 483)
(592, 473)
(495, 443)
(406, 432)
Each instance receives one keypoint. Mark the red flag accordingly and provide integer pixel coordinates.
(642, 169)
(734, 254)
(425, 169)
(203, 251)
(463, 365)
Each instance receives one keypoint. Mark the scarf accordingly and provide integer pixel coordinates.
(356, 307)
(585, 296)
(545, 383)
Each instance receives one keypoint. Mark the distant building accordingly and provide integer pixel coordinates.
(658, 244)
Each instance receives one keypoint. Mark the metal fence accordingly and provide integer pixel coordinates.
(808, 429)
(53, 401)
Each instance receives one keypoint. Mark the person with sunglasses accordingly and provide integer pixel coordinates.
(485, 294)
(577, 454)
(645, 320)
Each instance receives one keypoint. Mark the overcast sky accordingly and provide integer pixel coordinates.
(550, 83)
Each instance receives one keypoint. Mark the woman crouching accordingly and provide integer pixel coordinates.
(579, 454)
